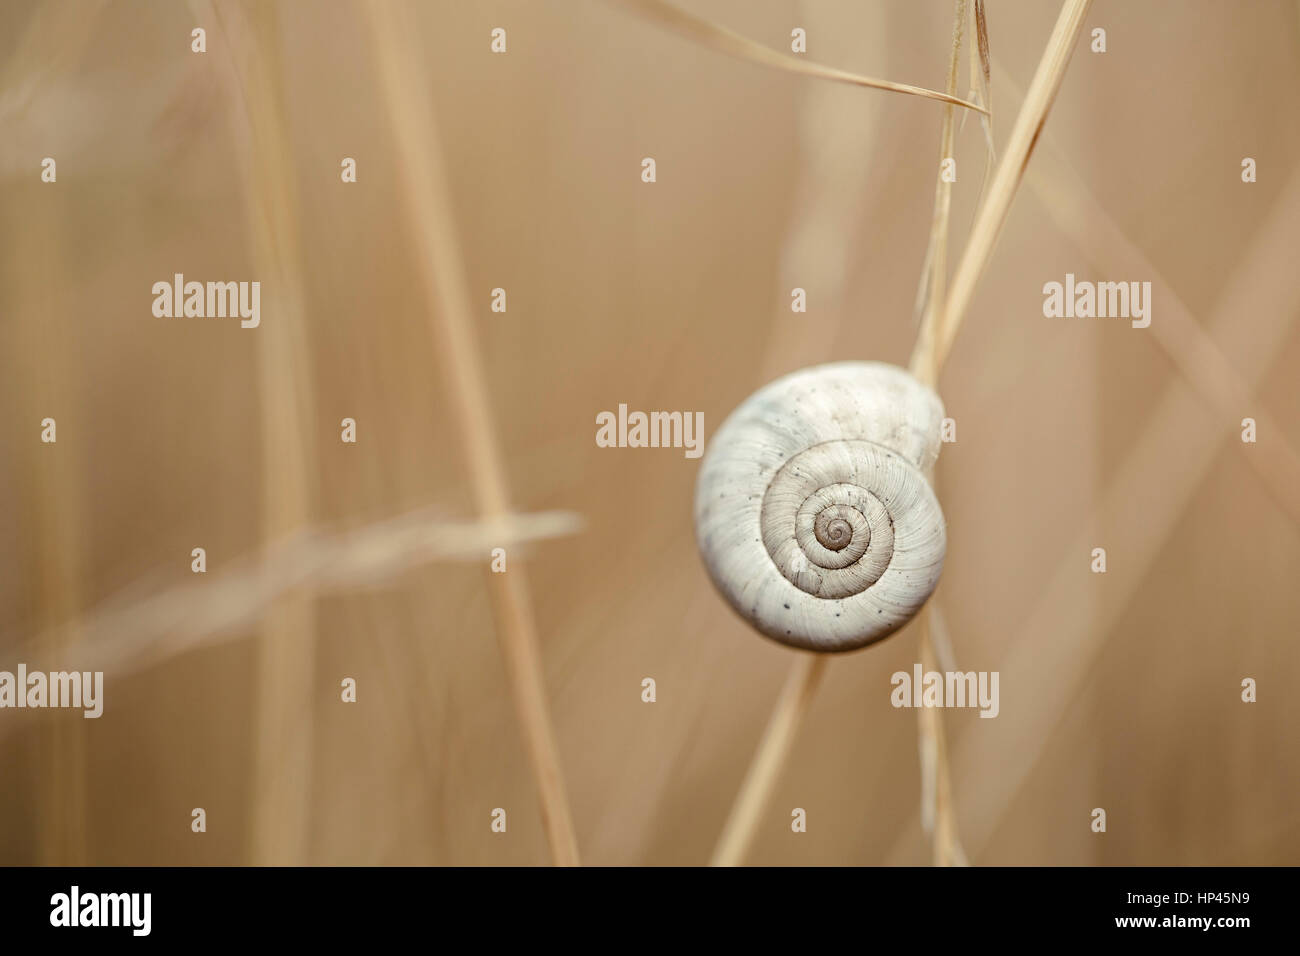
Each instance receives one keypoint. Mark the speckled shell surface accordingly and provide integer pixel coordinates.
(812, 510)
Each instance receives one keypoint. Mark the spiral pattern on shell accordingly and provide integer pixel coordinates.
(812, 509)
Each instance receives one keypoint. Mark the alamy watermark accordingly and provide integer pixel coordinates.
(213, 300)
(75, 908)
(946, 689)
(651, 430)
(75, 689)
(1085, 300)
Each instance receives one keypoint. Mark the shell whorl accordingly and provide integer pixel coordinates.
(812, 509)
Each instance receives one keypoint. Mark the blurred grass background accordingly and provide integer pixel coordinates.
(673, 296)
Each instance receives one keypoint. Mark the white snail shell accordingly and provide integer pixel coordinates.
(812, 509)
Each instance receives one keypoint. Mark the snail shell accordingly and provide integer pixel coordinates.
(812, 509)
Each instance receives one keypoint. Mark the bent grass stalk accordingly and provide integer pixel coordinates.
(726, 41)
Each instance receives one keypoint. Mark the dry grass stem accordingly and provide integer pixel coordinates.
(725, 41)
(57, 520)
(940, 639)
(55, 525)
(1173, 453)
(929, 357)
(981, 79)
(934, 271)
(938, 809)
(282, 704)
(936, 785)
(128, 632)
(406, 93)
(982, 76)
(1203, 365)
(796, 696)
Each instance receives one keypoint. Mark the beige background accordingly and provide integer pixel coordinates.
(1119, 691)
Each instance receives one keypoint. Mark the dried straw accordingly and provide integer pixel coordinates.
(406, 90)
(934, 271)
(929, 355)
(796, 696)
(128, 633)
(937, 807)
(248, 55)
